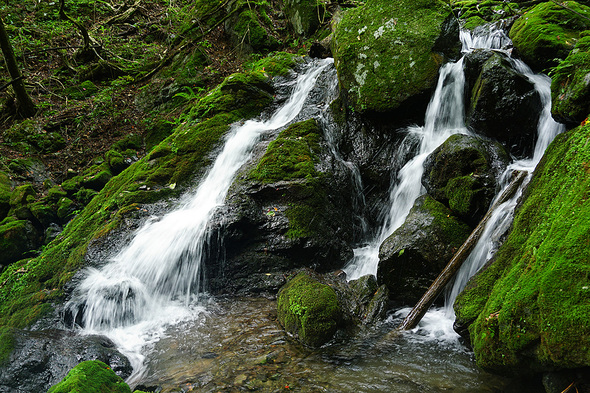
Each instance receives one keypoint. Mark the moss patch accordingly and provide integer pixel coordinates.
(548, 32)
(531, 304)
(479, 12)
(384, 51)
(309, 309)
(570, 84)
(92, 376)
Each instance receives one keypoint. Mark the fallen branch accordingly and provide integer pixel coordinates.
(414, 317)
(4, 86)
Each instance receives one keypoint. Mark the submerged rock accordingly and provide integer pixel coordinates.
(504, 105)
(389, 52)
(413, 256)
(549, 31)
(39, 359)
(570, 85)
(463, 174)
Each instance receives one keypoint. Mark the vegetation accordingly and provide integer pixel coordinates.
(534, 297)
(91, 376)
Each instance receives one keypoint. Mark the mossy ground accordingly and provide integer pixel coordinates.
(384, 51)
(547, 32)
(531, 305)
(570, 87)
(308, 309)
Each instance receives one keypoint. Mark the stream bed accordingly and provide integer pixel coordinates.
(238, 345)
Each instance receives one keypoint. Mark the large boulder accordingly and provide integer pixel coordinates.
(389, 52)
(284, 212)
(570, 85)
(17, 237)
(309, 309)
(39, 359)
(413, 256)
(504, 105)
(463, 174)
(527, 310)
(549, 31)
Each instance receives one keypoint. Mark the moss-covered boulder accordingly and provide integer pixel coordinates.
(504, 105)
(463, 174)
(549, 31)
(475, 13)
(309, 310)
(413, 256)
(305, 15)
(387, 52)
(570, 84)
(285, 212)
(17, 237)
(251, 28)
(91, 376)
(528, 310)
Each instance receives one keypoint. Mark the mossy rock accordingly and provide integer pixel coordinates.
(17, 237)
(549, 31)
(44, 213)
(462, 173)
(478, 12)
(530, 306)
(277, 64)
(413, 256)
(570, 84)
(309, 310)
(386, 51)
(91, 376)
(305, 15)
(5, 192)
(23, 195)
(251, 29)
(82, 91)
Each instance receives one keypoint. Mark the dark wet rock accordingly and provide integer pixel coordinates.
(567, 380)
(504, 106)
(41, 359)
(369, 299)
(413, 256)
(285, 212)
(463, 174)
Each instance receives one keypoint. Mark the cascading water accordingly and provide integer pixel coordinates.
(444, 117)
(438, 322)
(152, 282)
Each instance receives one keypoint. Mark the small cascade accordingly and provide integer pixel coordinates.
(154, 281)
(547, 130)
(444, 117)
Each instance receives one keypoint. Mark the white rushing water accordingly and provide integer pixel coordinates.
(153, 281)
(444, 117)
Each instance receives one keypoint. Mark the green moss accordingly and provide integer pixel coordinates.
(305, 15)
(384, 51)
(5, 192)
(451, 230)
(535, 297)
(292, 155)
(6, 344)
(548, 32)
(22, 195)
(277, 64)
(309, 309)
(570, 88)
(249, 29)
(92, 376)
(479, 12)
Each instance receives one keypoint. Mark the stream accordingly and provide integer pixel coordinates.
(147, 298)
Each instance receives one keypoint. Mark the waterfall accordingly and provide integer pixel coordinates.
(501, 219)
(153, 281)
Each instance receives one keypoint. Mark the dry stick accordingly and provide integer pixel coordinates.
(455, 263)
